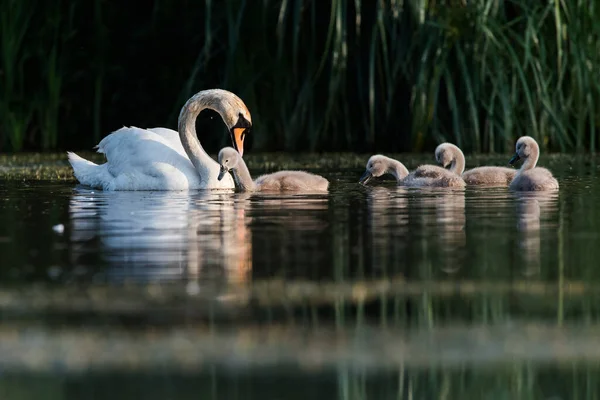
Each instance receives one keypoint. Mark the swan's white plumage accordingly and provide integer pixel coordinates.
(145, 159)
(164, 159)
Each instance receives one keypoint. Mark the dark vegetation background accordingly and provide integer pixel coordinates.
(381, 75)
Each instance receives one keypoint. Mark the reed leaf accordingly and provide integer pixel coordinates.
(341, 75)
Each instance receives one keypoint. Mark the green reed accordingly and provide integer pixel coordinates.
(413, 73)
(31, 51)
(394, 75)
(14, 113)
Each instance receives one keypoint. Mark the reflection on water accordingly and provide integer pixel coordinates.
(441, 293)
(162, 235)
(149, 236)
(430, 222)
(531, 209)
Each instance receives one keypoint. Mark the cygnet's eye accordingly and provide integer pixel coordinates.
(227, 161)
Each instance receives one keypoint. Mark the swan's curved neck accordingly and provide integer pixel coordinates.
(241, 176)
(187, 129)
(458, 161)
(397, 169)
(531, 160)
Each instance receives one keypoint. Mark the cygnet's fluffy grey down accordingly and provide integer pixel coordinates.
(492, 176)
(281, 181)
(529, 177)
(452, 155)
(423, 176)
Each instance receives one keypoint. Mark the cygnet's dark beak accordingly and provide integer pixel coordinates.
(514, 159)
(366, 177)
(222, 173)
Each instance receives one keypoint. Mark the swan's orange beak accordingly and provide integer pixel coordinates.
(237, 137)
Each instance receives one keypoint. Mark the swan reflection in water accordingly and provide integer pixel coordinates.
(399, 216)
(145, 236)
(529, 213)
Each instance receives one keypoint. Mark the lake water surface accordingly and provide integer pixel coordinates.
(367, 292)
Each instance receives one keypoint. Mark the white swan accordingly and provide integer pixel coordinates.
(163, 159)
(281, 181)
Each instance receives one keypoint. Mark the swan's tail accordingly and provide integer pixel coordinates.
(86, 172)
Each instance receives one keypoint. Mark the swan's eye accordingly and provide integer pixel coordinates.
(227, 161)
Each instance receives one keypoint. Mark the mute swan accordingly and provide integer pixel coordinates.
(452, 155)
(231, 161)
(529, 177)
(163, 159)
(423, 176)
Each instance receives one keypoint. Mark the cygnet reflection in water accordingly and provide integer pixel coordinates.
(395, 212)
(291, 235)
(531, 207)
(447, 225)
(387, 226)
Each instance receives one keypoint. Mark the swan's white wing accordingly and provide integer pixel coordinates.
(171, 136)
(146, 159)
(135, 148)
(141, 159)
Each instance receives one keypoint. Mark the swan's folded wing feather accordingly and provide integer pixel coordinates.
(133, 149)
(429, 171)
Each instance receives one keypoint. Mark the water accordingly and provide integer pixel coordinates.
(368, 292)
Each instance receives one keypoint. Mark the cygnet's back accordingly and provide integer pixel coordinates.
(284, 181)
(446, 154)
(529, 177)
(500, 176)
(534, 179)
(433, 176)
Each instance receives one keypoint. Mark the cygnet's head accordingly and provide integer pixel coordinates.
(228, 159)
(526, 146)
(444, 154)
(376, 166)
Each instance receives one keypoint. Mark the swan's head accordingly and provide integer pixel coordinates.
(445, 154)
(236, 116)
(228, 159)
(526, 146)
(240, 129)
(230, 107)
(376, 166)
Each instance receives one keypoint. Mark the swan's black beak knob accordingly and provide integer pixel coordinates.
(514, 159)
(366, 177)
(222, 173)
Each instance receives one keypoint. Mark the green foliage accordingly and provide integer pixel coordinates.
(392, 75)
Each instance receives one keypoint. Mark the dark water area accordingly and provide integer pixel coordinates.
(366, 292)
